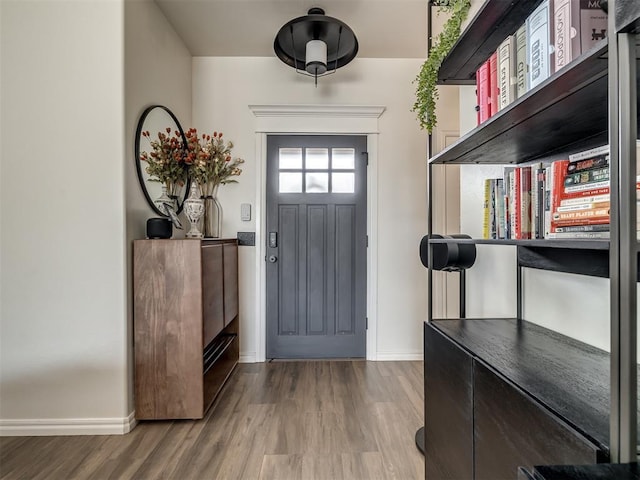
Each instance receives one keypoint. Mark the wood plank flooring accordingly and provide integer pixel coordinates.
(302, 420)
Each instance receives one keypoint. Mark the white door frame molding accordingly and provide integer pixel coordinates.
(317, 120)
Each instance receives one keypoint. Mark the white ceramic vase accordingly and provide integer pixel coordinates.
(194, 209)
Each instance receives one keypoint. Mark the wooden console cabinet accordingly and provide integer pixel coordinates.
(186, 340)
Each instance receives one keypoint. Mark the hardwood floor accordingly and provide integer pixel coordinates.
(307, 420)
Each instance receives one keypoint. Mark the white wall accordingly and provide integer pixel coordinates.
(157, 71)
(223, 88)
(62, 275)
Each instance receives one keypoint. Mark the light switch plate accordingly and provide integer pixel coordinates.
(245, 212)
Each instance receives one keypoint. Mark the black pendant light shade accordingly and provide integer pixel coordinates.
(301, 43)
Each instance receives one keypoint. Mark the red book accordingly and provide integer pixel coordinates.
(559, 171)
(516, 204)
(494, 89)
(482, 80)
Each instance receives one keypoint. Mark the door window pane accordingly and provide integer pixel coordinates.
(343, 158)
(317, 158)
(290, 182)
(343, 182)
(317, 182)
(290, 158)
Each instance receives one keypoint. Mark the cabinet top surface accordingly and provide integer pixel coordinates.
(568, 377)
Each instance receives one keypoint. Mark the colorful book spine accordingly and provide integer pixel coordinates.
(539, 202)
(525, 202)
(486, 221)
(587, 164)
(539, 44)
(494, 89)
(500, 207)
(566, 28)
(482, 79)
(582, 235)
(591, 153)
(522, 84)
(558, 171)
(593, 24)
(506, 71)
(586, 176)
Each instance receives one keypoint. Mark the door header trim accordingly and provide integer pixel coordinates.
(315, 119)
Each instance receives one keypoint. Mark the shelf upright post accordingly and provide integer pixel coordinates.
(623, 242)
(429, 184)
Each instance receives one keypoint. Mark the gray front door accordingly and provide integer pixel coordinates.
(316, 246)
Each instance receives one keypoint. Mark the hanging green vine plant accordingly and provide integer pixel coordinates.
(426, 91)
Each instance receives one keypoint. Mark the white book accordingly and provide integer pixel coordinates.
(591, 153)
(539, 43)
(581, 200)
(578, 235)
(522, 82)
(566, 32)
(581, 187)
(506, 71)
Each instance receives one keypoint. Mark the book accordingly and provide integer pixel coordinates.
(506, 71)
(555, 184)
(493, 228)
(583, 206)
(486, 209)
(539, 43)
(538, 206)
(586, 187)
(521, 61)
(482, 80)
(500, 208)
(586, 176)
(603, 227)
(514, 204)
(494, 95)
(586, 214)
(588, 163)
(508, 207)
(591, 153)
(525, 202)
(593, 24)
(566, 28)
(577, 235)
(587, 199)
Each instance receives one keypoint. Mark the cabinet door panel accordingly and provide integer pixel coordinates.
(513, 430)
(230, 282)
(212, 292)
(448, 409)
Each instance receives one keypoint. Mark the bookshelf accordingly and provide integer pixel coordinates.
(574, 109)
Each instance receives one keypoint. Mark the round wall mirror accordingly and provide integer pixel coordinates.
(156, 118)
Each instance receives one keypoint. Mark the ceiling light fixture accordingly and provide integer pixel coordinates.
(316, 44)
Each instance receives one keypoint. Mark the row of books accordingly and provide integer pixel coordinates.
(556, 33)
(563, 199)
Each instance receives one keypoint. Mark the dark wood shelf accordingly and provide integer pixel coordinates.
(565, 376)
(496, 20)
(566, 113)
(627, 16)
(583, 244)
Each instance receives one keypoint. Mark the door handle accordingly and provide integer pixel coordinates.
(273, 258)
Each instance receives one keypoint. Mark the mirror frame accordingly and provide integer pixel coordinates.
(141, 179)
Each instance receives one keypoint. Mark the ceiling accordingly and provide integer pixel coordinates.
(384, 28)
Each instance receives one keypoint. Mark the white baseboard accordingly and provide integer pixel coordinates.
(67, 426)
(399, 356)
(247, 357)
